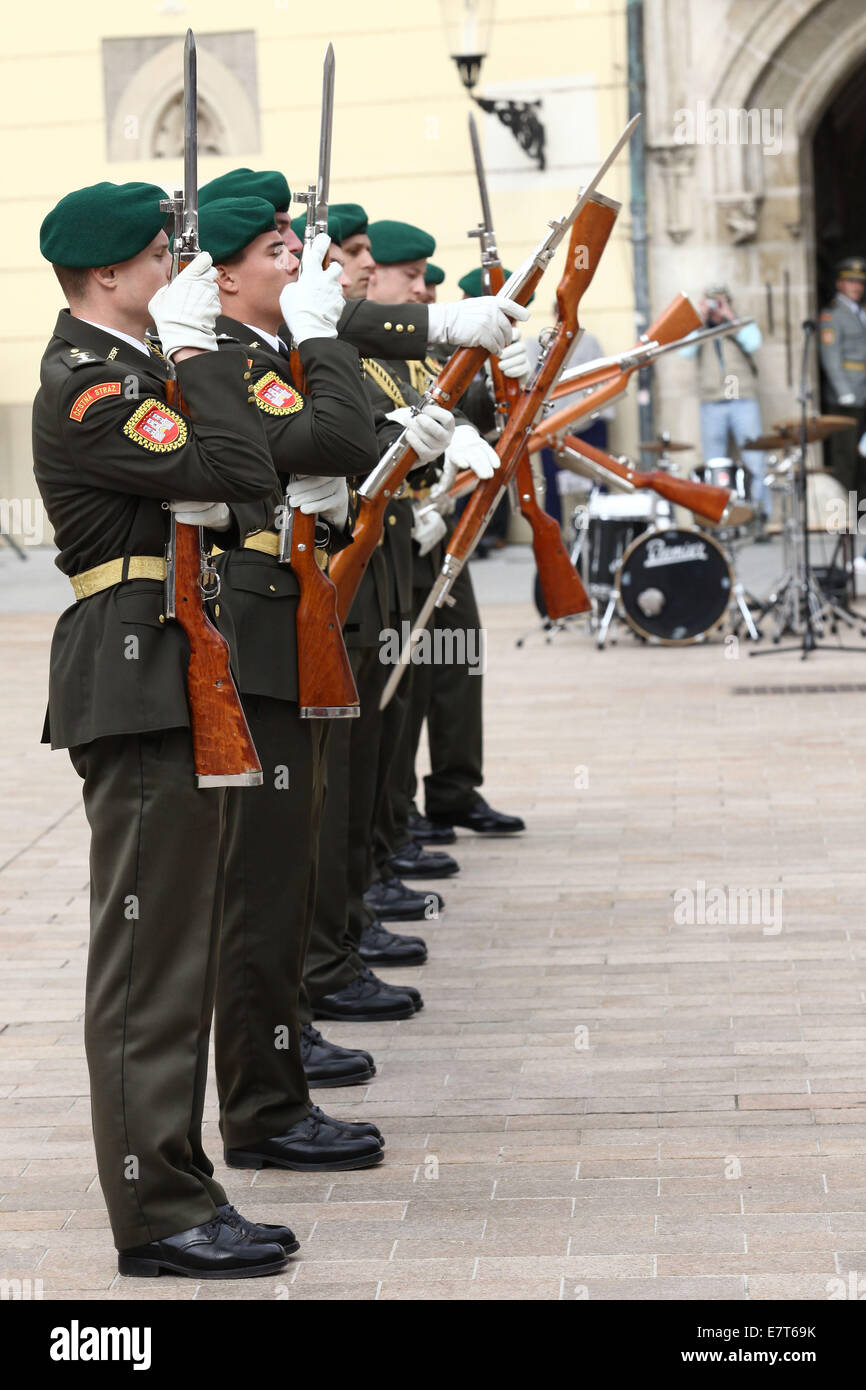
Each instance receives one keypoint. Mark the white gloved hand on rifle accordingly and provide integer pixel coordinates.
(514, 361)
(428, 530)
(185, 311)
(468, 450)
(429, 433)
(324, 497)
(313, 305)
(214, 515)
(847, 399)
(484, 322)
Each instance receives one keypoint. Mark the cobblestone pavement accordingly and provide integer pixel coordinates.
(641, 1068)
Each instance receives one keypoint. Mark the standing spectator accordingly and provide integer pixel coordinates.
(843, 362)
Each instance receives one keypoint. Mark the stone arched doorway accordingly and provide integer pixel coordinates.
(743, 211)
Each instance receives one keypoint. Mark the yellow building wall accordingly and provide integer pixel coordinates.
(400, 142)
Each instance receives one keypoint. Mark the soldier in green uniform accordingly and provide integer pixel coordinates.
(316, 438)
(843, 362)
(433, 278)
(110, 454)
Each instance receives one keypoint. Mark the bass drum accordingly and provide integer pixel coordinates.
(675, 586)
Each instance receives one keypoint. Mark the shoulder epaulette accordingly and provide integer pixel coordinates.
(80, 357)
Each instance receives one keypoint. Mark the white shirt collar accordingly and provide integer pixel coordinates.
(268, 337)
(116, 333)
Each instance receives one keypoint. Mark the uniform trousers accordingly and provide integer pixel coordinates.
(272, 836)
(156, 888)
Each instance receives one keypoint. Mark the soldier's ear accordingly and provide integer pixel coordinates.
(226, 282)
(106, 275)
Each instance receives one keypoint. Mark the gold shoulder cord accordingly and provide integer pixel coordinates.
(376, 372)
(420, 375)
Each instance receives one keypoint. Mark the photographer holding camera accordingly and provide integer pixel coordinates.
(727, 383)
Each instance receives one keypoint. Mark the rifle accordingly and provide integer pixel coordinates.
(224, 754)
(704, 498)
(377, 490)
(591, 221)
(602, 369)
(561, 585)
(326, 686)
(445, 391)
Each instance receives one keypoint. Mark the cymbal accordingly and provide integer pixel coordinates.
(818, 427)
(662, 446)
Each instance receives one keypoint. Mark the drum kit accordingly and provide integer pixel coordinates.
(675, 584)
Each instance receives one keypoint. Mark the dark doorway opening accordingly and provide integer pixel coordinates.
(839, 155)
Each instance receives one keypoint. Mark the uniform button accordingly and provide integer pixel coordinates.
(162, 617)
(247, 376)
(399, 328)
(410, 328)
(216, 610)
(386, 325)
(273, 588)
(392, 520)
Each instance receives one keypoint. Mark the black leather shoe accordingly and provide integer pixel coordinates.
(313, 1145)
(217, 1250)
(416, 862)
(352, 1126)
(420, 828)
(362, 1001)
(367, 974)
(326, 1064)
(481, 818)
(382, 947)
(392, 901)
(253, 1230)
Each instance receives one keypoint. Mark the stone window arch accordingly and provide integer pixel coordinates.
(144, 97)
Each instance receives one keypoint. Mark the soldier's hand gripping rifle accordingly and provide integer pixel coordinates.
(591, 222)
(223, 750)
(561, 585)
(326, 686)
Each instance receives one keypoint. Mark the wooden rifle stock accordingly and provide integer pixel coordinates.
(704, 498)
(589, 233)
(561, 585)
(676, 321)
(326, 685)
(347, 568)
(223, 750)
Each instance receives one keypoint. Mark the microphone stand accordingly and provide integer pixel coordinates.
(814, 602)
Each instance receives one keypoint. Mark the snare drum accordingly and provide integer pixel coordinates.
(613, 522)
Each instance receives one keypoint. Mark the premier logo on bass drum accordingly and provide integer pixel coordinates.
(659, 553)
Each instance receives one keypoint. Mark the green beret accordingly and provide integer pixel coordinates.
(102, 225)
(246, 183)
(335, 226)
(353, 218)
(852, 268)
(228, 225)
(434, 274)
(471, 283)
(393, 242)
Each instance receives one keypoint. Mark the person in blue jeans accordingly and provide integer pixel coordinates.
(727, 382)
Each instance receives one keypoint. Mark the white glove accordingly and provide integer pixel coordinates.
(216, 515)
(428, 530)
(847, 399)
(514, 361)
(861, 447)
(312, 306)
(185, 311)
(468, 450)
(484, 322)
(324, 497)
(428, 433)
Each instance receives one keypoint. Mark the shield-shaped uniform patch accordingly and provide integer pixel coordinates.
(275, 397)
(155, 426)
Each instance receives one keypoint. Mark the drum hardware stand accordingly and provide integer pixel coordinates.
(800, 593)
